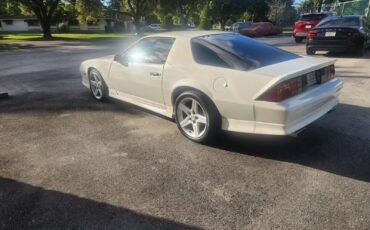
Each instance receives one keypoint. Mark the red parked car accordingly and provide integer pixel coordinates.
(261, 29)
(305, 23)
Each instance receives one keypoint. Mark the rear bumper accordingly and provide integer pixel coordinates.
(300, 34)
(333, 45)
(291, 115)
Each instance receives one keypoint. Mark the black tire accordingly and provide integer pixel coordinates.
(298, 40)
(211, 113)
(104, 88)
(310, 51)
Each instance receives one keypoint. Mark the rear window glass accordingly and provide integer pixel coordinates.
(313, 17)
(240, 52)
(340, 22)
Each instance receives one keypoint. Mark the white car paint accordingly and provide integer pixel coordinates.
(234, 92)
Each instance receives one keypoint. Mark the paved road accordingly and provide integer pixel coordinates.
(67, 161)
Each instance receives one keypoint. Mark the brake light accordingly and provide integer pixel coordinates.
(355, 34)
(295, 86)
(352, 33)
(284, 90)
(327, 73)
(311, 34)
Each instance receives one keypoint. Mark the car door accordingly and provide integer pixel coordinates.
(138, 71)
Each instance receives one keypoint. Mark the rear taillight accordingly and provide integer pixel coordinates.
(327, 73)
(298, 85)
(311, 34)
(284, 90)
(351, 33)
(355, 34)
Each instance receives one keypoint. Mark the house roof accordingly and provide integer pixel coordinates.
(17, 17)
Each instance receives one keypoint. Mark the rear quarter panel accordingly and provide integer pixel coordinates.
(232, 91)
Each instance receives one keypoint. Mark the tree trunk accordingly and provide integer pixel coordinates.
(45, 25)
(186, 20)
(222, 24)
(182, 20)
(320, 6)
(137, 24)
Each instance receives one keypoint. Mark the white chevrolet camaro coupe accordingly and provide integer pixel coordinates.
(208, 81)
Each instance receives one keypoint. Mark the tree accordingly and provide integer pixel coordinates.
(219, 11)
(185, 8)
(281, 12)
(89, 10)
(306, 6)
(315, 5)
(182, 10)
(113, 9)
(205, 20)
(136, 9)
(256, 9)
(44, 11)
(319, 5)
(9, 8)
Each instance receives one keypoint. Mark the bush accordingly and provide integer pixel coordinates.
(167, 22)
(63, 27)
(119, 27)
(205, 24)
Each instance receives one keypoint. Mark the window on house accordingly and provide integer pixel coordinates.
(8, 22)
(92, 23)
(73, 22)
(32, 22)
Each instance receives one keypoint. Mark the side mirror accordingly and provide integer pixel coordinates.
(121, 59)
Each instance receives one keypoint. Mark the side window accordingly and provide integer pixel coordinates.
(205, 56)
(150, 50)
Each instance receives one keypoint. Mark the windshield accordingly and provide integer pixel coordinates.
(250, 53)
(312, 17)
(340, 22)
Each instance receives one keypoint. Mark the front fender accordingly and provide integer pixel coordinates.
(100, 64)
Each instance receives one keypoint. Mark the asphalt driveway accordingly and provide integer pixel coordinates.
(69, 162)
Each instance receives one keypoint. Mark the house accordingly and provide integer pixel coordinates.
(32, 24)
(19, 24)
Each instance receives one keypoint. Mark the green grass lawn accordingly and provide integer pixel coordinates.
(59, 36)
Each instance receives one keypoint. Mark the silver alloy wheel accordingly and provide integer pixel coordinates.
(191, 117)
(96, 85)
